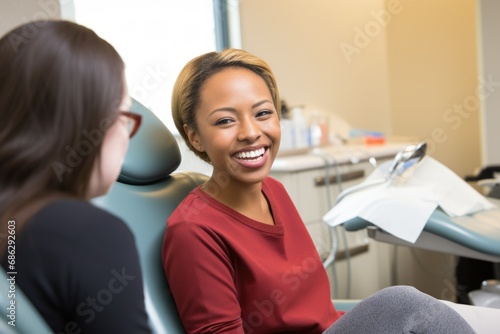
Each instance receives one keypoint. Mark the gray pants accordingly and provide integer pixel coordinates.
(400, 310)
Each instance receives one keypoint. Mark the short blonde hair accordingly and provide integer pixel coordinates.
(186, 92)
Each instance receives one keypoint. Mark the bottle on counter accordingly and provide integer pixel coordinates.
(287, 134)
(319, 130)
(301, 129)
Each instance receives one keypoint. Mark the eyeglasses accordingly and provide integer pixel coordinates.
(133, 122)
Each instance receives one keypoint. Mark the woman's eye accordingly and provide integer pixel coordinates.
(264, 112)
(224, 121)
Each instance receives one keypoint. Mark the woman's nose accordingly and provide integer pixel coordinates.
(249, 130)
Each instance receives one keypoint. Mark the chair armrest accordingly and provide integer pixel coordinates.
(344, 304)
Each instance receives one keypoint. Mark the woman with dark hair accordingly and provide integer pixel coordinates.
(236, 254)
(64, 131)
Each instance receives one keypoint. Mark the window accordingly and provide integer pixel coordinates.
(155, 38)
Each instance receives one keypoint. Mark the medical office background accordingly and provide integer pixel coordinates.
(425, 69)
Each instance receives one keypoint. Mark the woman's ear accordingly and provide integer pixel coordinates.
(193, 137)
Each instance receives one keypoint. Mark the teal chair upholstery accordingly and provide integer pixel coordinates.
(146, 193)
(345, 304)
(26, 318)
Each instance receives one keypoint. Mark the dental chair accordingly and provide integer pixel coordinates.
(147, 192)
(27, 319)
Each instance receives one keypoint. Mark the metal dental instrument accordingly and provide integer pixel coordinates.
(403, 165)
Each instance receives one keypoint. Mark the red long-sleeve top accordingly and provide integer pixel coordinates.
(231, 274)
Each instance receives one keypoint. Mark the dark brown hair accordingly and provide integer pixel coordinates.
(186, 92)
(60, 88)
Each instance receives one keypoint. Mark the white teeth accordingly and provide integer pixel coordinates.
(251, 154)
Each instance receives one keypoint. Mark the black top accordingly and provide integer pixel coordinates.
(79, 266)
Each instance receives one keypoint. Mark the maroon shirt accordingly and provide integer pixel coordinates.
(231, 274)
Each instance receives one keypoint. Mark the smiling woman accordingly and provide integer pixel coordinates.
(242, 246)
(232, 128)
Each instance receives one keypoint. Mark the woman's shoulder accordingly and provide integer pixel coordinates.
(74, 209)
(199, 213)
(67, 232)
(189, 210)
(71, 217)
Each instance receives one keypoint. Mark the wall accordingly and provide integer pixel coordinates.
(397, 66)
(302, 39)
(433, 77)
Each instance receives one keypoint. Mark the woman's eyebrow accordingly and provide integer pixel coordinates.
(231, 109)
(261, 103)
(222, 109)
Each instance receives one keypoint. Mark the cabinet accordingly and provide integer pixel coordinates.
(314, 192)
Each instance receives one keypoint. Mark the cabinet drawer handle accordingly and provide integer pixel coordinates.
(345, 177)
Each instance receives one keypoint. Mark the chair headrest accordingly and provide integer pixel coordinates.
(152, 153)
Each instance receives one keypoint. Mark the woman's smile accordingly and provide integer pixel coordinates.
(252, 159)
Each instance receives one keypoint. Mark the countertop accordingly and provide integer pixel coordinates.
(317, 157)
